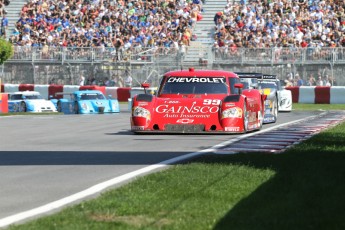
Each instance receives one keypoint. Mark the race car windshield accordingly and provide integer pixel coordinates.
(195, 85)
(21, 96)
(264, 85)
(32, 97)
(95, 96)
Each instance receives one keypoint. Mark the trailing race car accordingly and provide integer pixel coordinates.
(197, 101)
(29, 101)
(251, 80)
(85, 102)
(284, 96)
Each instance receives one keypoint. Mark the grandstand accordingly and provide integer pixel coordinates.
(281, 37)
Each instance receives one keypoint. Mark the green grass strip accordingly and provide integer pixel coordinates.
(302, 188)
(299, 106)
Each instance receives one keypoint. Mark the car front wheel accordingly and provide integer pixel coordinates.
(76, 108)
(245, 118)
(23, 107)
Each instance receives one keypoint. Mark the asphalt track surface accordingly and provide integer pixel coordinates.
(47, 158)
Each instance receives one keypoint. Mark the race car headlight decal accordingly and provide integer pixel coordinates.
(140, 112)
(84, 106)
(234, 112)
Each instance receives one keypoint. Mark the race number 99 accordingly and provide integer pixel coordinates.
(211, 102)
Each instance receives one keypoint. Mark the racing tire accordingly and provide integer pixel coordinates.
(59, 109)
(22, 107)
(76, 108)
(245, 118)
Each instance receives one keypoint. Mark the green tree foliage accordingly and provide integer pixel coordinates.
(6, 50)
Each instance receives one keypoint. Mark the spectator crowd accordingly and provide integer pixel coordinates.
(126, 24)
(280, 23)
(119, 24)
(169, 23)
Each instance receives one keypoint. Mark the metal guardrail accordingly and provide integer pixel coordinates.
(276, 56)
(88, 55)
(222, 55)
(42, 65)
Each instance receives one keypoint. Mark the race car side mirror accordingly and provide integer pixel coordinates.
(239, 86)
(145, 85)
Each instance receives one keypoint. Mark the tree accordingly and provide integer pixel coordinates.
(6, 50)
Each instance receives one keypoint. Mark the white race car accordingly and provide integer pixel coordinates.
(284, 95)
(29, 101)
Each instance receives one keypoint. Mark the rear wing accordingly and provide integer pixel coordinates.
(249, 75)
(62, 93)
(249, 80)
(269, 77)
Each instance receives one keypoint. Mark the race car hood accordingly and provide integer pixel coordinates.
(40, 105)
(99, 103)
(186, 110)
(35, 105)
(98, 106)
(175, 113)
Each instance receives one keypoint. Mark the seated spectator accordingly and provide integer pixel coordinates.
(80, 24)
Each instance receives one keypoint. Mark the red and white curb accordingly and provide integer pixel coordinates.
(279, 139)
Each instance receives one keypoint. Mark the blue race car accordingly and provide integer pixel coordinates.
(86, 102)
(29, 101)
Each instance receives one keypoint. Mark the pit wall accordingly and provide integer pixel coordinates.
(300, 94)
(3, 103)
(49, 91)
(318, 94)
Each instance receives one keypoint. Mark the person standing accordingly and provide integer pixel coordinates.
(4, 25)
(81, 80)
(128, 80)
(300, 81)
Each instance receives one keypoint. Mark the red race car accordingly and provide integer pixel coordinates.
(198, 101)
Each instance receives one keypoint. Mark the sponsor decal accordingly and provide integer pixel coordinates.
(171, 102)
(229, 105)
(212, 102)
(252, 116)
(232, 129)
(268, 119)
(185, 121)
(197, 79)
(142, 103)
(98, 103)
(191, 109)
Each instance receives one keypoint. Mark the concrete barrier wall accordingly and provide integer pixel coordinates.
(318, 94)
(302, 94)
(3, 103)
(49, 91)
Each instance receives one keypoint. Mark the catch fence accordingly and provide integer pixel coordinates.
(61, 65)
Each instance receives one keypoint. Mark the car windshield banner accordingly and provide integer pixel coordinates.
(197, 79)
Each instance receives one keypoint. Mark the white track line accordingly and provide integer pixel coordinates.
(117, 180)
